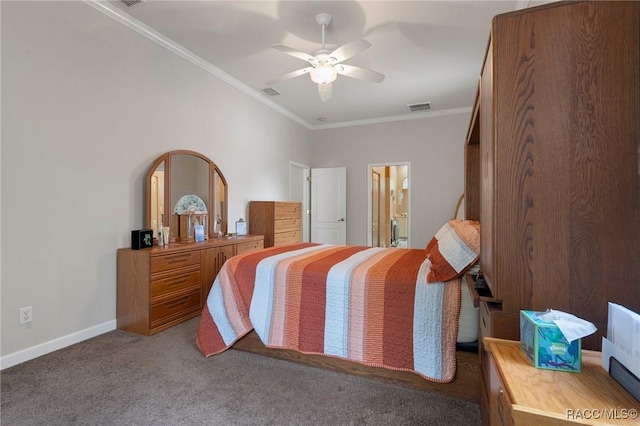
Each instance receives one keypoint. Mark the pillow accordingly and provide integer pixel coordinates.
(453, 250)
(434, 240)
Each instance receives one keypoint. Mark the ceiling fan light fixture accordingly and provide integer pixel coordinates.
(326, 91)
(323, 74)
(326, 64)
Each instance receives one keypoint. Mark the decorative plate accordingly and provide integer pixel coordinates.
(190, 204)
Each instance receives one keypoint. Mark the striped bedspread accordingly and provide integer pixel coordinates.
(369, 305)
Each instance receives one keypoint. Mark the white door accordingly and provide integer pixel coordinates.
(329, 205)
(299, 177)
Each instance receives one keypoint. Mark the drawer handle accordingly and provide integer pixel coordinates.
(500, 407)
(177, 303)
(177, 258)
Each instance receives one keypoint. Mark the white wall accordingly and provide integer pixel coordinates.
(87, 105)
(433, 146)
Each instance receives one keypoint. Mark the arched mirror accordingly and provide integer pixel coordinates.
(185, 188)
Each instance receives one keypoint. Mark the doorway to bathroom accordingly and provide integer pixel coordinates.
(389, 201)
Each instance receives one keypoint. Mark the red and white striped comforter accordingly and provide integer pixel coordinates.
(369, 305)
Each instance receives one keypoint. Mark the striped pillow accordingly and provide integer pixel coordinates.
(453, 250)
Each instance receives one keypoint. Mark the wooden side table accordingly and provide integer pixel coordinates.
(524, 395)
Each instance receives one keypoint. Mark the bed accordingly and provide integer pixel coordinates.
(388, 313)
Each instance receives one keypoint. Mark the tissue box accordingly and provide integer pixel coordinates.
(545, 346)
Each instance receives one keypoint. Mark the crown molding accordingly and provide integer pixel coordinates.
(132, 23)
(390, 118)
(127, 20)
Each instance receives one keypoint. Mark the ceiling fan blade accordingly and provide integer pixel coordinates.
(287, 76)
(359, 73)
(349, 50)
(295, 53)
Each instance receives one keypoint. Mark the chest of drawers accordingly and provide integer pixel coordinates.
(160, 287)
(280, 222)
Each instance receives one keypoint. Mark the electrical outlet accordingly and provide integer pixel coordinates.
(26, 315)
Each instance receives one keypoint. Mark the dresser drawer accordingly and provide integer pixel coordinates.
(175, 307)
(171, 283)
(173, 261)
(287, 237)
(287, 211)
(284, 225)
(249, 246)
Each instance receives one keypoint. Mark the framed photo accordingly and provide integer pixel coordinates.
(199, 234)
(241, 227)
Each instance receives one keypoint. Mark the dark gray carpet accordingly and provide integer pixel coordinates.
(121, 378)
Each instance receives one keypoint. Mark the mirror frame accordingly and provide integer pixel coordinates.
(213, 169)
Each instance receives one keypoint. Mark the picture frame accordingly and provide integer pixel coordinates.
(241, 227)
(199, 233)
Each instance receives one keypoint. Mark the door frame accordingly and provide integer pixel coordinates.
(369, 224)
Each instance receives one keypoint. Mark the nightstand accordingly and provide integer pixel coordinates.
(521, 394)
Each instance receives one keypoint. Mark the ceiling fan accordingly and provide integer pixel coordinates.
(326, 65)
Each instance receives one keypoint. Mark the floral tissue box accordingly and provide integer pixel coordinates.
(545, 346)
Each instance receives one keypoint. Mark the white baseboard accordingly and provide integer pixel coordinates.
(55, 344)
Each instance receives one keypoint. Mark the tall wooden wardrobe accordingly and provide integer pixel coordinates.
(552, 167)
(552, 163)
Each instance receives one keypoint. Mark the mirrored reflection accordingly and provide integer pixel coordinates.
(186, 193)
(189, 175)
(189, 183)
(157, 198)
(219, 206)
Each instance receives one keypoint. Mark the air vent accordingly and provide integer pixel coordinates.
(130, 3)
(422, 106)
(269, 91)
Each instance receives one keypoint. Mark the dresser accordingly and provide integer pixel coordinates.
(160, 287)
(523, 395)
(280, 222)
(552, 166)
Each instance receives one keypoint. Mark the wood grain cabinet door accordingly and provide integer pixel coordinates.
(499, 400)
